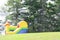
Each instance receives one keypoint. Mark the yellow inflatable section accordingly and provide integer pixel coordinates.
(23, 24)
(21, 27)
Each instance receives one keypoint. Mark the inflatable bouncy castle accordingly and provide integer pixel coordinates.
(22, 27)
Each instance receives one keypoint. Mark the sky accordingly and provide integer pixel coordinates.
(2, 15)
(2, 2)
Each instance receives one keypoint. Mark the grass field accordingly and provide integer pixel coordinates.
(32, 36)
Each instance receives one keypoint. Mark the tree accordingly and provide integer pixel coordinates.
(13, 8)
(34, 18)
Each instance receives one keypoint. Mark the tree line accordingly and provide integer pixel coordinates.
(41, 15)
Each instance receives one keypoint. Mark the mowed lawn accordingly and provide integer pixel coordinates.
(32, 36)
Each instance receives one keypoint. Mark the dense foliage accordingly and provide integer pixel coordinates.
(41, 15)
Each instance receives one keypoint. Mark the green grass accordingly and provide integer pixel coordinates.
(33, 36)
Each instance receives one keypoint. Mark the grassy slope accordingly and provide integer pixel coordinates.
(33, 36)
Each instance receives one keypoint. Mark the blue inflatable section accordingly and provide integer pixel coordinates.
(23, 31)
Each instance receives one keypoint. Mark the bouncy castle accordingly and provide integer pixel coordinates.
(22, 27)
